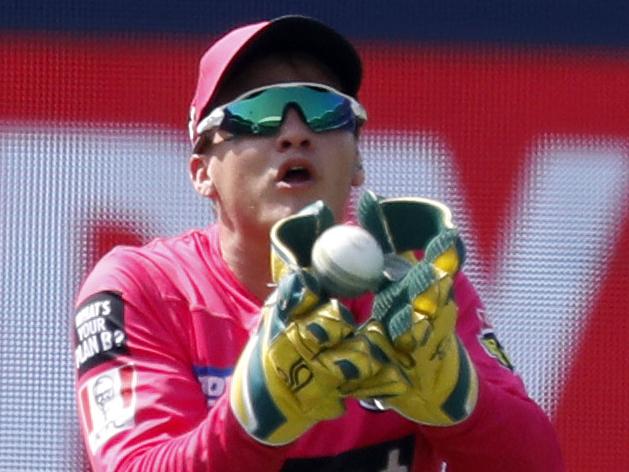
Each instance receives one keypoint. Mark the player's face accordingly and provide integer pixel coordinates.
(256, 180)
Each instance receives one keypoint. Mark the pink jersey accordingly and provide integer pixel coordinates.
(158, 331)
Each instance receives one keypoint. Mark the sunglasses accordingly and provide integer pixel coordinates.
(260, 112)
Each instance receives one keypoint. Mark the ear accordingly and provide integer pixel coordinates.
(358, 178)
(199, 168)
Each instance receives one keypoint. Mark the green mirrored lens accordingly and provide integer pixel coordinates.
(263, 113)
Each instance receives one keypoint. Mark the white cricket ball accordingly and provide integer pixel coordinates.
(347, 260)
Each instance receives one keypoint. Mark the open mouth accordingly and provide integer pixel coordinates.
(296, 175)
(292, 173)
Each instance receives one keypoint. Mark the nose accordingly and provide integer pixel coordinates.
(294, 132)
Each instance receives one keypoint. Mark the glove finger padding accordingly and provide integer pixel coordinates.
(403, 226)
(292, 238)
(374, 368)
(414, 317)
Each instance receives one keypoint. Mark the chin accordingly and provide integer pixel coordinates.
(288, 207)
(294, 205)
(274, 215)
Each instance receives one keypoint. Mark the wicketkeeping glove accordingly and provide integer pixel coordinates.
(414, 316)
(295, 369)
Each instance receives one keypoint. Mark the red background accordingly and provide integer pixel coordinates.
(489, 104)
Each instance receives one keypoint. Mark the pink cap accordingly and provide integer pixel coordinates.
(286, 33)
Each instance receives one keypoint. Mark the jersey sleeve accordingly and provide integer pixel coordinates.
(507, 430)
(140, 405)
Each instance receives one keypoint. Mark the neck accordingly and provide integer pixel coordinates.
(249, 259)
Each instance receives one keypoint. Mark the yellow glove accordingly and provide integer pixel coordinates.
(414, 317)
(296, 367)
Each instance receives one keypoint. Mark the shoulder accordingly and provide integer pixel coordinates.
(465, 294)
(158, 263)
(471, 308)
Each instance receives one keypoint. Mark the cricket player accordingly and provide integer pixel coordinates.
(219, 350)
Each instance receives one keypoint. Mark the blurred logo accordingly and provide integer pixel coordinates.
(108, 404)
(213, 381)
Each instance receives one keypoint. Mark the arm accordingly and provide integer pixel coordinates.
(507, 430)
(141, 407)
